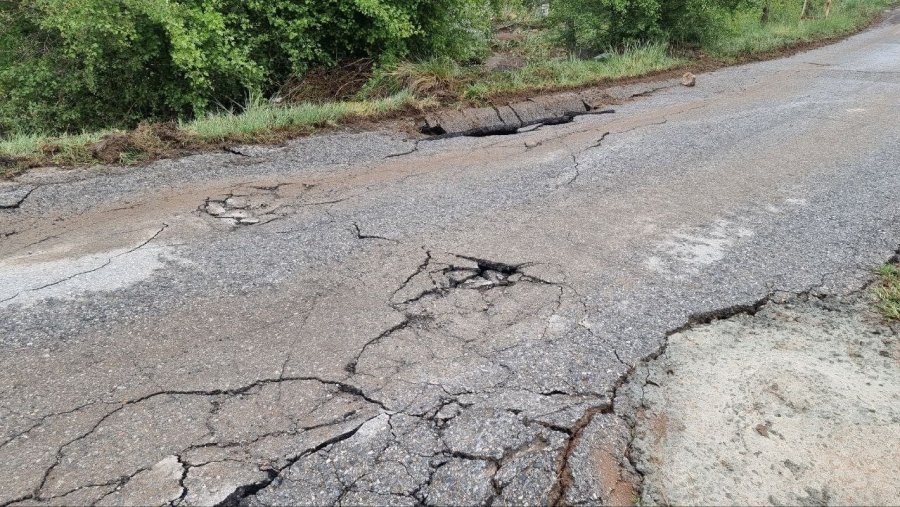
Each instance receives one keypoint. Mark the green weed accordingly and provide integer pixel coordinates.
(888, 291)
(259, 117)
(572, 73)
(747, 35)
(62, 146)
(447, 79)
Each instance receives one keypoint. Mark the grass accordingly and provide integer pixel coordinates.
(66, 146)
(888, 291)
(746, 35)
(574, 73)
(258, 121)
(452, 81)
(260, 118)
(18, 152)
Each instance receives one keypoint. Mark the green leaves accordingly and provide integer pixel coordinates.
(596, 25)
(75, 64)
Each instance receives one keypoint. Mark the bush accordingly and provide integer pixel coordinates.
(69, 65)
(94, 63)
(746, 33)
(596, 25)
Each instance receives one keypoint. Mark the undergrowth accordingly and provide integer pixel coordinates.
(888, 291)
(527, 58)
(744, 34)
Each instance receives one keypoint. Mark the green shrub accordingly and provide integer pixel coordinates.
(596, 25)
(745, 33)
(68, 65)
(95, 63)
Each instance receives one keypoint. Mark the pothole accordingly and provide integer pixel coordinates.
(484, 276)
(245, 206)
(444, 273)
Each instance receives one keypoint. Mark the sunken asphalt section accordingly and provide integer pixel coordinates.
(364, 319)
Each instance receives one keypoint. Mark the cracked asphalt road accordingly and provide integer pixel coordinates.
(360, 318)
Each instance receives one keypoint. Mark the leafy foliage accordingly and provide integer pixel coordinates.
(74, 64)
(596, 25)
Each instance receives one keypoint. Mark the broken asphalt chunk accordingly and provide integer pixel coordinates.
(508, 119)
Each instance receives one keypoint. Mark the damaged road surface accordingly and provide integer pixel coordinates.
(361, 318)
(813, 419)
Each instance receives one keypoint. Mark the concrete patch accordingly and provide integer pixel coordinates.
(796, 405)
(697, 247)
(28, 280)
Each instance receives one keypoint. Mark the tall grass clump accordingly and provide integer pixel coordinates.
(887, 290)
(260, 117)
(633, 60)
(747, 32)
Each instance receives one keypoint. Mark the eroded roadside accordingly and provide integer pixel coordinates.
(791, 402)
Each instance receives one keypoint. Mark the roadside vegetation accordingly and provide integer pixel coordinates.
(888, 291)
(83, 81)
(745, 35)
(526, 74)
